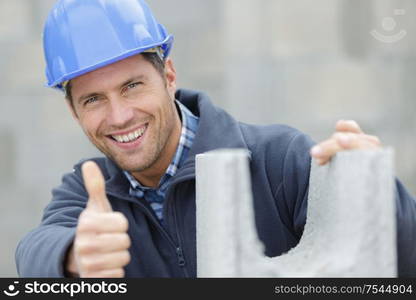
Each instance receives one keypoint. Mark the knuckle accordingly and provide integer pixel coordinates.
(125, 257)
(78, 243)
(126, 241)
(350, 123)
(89, 265)
(122, 221)
(337, 135)
(84, 264)
(83, 215)
(118, 273)
(375, 139)
(118, 214)
(83, 225)
(79, 246)
(86, 223)
(121, 273)
(87, 214)
(354, 136)
(339, 122)
(86, 247)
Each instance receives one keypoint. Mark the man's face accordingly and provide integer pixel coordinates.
(127, 111)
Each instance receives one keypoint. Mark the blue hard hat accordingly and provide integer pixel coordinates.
(83, 35)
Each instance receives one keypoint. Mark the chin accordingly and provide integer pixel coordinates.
(133, 166)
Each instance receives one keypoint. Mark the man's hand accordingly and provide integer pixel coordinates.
(348, 136)
(101, 242)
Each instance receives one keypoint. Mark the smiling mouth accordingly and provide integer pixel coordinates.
(129, 137)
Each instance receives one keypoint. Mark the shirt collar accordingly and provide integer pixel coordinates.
(189, 127)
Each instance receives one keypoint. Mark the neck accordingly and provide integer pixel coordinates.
(151, 176)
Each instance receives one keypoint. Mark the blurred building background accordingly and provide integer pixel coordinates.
(299, 62)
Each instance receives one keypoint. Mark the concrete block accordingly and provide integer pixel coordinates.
(350, 227)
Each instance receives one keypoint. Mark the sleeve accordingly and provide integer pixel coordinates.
(41, 253)
(406, 231)
(296, 171)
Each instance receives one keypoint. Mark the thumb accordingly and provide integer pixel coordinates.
(95, 185)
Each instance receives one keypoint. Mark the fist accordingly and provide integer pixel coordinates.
(100, 248)
(348, 136)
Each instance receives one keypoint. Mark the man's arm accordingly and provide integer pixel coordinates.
(406, 231)
(74, 240)
(42, 252)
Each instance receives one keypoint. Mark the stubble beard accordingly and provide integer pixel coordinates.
(146, 159)
(157, 145)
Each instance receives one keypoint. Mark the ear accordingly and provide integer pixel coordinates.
(170, 74)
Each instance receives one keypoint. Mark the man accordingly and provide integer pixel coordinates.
(132, 212)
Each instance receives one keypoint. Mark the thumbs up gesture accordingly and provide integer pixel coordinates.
(100, 248)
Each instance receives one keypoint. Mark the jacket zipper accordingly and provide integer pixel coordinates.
(181, 259)
(179, 252)
(178, 249)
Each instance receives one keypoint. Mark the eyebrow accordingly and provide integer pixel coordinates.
(131, 80)
(127, 82)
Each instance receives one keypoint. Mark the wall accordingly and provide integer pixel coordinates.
(303, 63)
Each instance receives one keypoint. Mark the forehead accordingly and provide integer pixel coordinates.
(112, 74)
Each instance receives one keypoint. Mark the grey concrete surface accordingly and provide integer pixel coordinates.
(350, 228)
(298, 62)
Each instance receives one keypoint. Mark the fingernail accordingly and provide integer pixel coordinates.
(316, 150)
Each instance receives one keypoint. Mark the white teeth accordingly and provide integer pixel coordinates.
(129, 137)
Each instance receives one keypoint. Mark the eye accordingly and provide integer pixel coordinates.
(131, 89)
(90, 100)
(132, 85)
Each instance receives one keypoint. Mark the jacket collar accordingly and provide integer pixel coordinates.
(217, 129)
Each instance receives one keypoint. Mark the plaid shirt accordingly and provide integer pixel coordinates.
(156, 197)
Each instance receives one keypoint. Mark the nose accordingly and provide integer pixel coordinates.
(120, 113)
